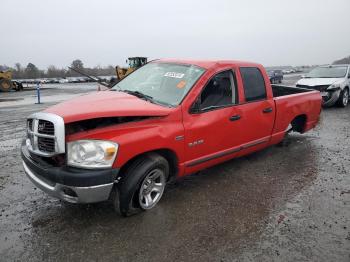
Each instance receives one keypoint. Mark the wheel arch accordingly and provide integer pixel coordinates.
(167, 153)
(298, 123)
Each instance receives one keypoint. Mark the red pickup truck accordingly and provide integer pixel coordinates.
(168, 119)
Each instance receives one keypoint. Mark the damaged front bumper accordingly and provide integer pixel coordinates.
(330, 97)
(69, 184)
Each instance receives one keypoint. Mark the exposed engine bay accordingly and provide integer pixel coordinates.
(94, 123)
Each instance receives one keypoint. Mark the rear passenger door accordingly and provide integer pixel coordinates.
(257, 111)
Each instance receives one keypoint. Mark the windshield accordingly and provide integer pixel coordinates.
(328, 72)
(162, 82)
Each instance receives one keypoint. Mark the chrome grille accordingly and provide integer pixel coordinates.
(45, 134)
(321, 88)
(46, 144)
(30, 124)
(46, 127)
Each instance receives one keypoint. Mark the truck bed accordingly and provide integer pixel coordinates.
(291, 102)
(282, 90)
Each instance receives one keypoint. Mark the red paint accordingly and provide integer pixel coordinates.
(223, 139)
(105, 104)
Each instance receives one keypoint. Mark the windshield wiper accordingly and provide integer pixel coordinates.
(142, 96)
(134, 93)
(118, 88)
(138, 94)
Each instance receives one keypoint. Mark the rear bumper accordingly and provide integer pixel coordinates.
(70, 184)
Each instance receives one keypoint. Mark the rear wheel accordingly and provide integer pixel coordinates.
(5, 85)
(343, 99)
(142, 186)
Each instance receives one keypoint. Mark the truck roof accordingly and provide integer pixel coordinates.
(206, 64)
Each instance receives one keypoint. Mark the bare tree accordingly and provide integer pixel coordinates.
(77, 64)
(32, 71)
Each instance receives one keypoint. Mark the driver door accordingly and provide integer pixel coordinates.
(212, 122)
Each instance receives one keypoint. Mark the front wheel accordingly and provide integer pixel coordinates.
(142, 186)
(343, 99)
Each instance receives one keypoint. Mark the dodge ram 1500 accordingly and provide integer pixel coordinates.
(168, 119)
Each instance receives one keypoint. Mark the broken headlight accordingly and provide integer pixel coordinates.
(334, 87)
(91, 154)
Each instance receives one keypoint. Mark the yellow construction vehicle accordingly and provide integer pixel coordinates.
(7, 84)
(134, 63)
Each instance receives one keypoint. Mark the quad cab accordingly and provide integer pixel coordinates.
(168, 119)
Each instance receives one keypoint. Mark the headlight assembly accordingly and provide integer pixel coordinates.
(334, 87)
(91, 154)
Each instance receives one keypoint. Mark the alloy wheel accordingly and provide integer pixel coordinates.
(345, 97)
(152, 189)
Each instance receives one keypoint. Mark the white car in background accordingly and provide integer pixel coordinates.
(63, 81)
(333, 81)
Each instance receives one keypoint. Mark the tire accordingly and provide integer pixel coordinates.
(5, 85)
(343, 99)
(142, 186)
(18, 86)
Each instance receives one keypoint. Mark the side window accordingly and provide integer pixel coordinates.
(253, 83)
(220, 91)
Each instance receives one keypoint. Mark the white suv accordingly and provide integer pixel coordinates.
(333, 81)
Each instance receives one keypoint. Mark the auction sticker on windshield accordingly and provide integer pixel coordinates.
(181, 84)
(174, 74)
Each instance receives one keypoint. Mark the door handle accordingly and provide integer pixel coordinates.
(267, 110)
(235, 118)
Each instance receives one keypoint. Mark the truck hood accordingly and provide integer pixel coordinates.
(319, 81)
(106, 104)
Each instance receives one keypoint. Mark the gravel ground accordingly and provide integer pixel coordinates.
(285, 203)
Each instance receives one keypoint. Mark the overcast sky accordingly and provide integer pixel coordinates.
(106, 32)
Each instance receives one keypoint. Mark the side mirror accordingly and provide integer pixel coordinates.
(196, 107)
